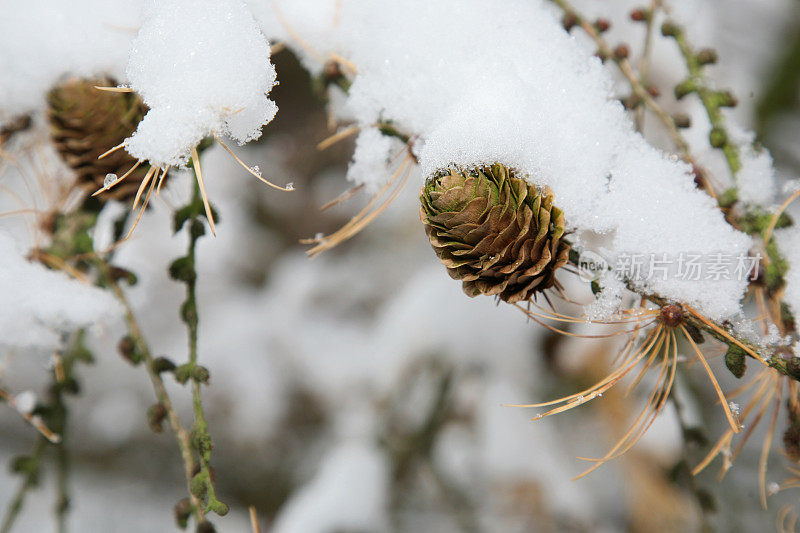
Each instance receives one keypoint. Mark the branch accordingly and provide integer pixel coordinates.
(713, 100)
(140, 348)
(53, 412)
(29, 466)
(721, 331)
(636, 83)
(183, 270)
(643, 66)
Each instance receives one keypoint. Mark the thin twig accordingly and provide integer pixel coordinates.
(768, 357)
(180, 433)
(627, 70)
(33, 420)
(16, 503)
(643, 65)
(709, 98)
(62, 499)
(201, 440)
(53, 409)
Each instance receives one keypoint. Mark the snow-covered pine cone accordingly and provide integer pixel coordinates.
(84, 123)
(493, 231)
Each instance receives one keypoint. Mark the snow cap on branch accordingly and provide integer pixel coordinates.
(43, 40)
(374, 153)
(480, 85)
(37, 303)
(202, 66)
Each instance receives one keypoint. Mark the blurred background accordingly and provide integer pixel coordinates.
(361, 390)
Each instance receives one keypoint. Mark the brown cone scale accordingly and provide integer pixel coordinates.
(493, 231)
(85, 122)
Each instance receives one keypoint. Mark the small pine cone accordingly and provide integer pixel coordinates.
(86, 122)
(494, 232)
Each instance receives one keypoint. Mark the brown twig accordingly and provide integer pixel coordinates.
(32, 419)
(643, 65)
(627, 70)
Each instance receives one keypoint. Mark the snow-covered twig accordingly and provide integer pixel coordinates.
(20, 403)
(627, 70)
(644, 65)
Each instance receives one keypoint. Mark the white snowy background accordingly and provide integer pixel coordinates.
(315, 363)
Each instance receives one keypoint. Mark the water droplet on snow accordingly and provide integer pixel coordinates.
(109, 179)
(290, 186)
(25, 402)
(773, 488)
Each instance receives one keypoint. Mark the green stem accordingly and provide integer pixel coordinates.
(411, 451)
(184, 270)
(53, 411)
(713, 101)
(63, 499)
(30, 482)
(181, 435)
